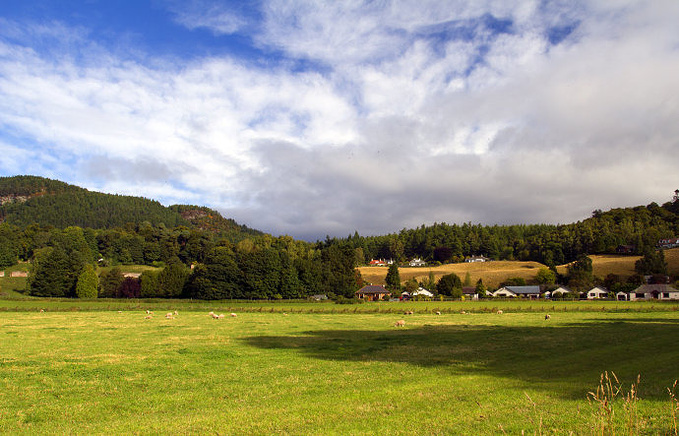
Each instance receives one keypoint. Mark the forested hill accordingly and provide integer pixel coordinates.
(634, 230)
(27, 200)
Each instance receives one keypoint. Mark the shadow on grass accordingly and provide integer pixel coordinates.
(566, 360)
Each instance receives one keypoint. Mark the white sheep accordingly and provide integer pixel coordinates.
(176, 313)
(233, 315)
(548, 316)
(438, 312)
(148, 317)
(400, 323)
(220, 316)
(169, 315)
(500, 312)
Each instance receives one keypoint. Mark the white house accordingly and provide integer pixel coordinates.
(417, 262)
(654, 292)
(562, 291)
(422, 293)
(532, 292)
(596, 293)
(474, 259)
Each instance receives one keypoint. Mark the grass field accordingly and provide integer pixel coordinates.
(100, 371)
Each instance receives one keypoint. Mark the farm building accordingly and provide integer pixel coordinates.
(596, 293)
(372, 293)
(668, 243)
(532, 292)
(622, 296)
(474, 259)
(417, 262)
(470, 293)
(654, 292)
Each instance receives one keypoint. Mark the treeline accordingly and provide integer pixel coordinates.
(638, 229)
(195, 263)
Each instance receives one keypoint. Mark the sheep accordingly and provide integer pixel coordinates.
(169, 315)
(220, 316)
(214, 315)
(148, 317)
(438, 312)
(148, 312)
(548, 316)
(408, 312)
(400, 323)
(42, 310)
(176, 313)
(233, 315)
(463, 312)
(500, 312)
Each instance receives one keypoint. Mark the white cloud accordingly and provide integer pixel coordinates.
(401, 126)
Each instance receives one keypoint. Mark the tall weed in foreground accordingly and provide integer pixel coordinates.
(607, 398)
(674, 405)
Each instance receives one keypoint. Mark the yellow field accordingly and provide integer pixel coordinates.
(493, 273)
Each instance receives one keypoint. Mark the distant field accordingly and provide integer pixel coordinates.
(104, 372)
(493, 273)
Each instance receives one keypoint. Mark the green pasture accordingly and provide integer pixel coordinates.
(73, 371)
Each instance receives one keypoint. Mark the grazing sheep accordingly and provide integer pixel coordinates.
(499, 312)
(120, 311)
(220, 316)
(409, 312)
(233, 315)
(149, 312)
(176, 313)
(438, 312)
(42, 310)
(548, 316)
(148, 317)
(169, 315)
(214, 315)
(400, 323)
(463, 312)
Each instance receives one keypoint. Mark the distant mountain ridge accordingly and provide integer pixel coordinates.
(26, 200)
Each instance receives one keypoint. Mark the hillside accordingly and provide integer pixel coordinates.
(26, 200)
(493, 273)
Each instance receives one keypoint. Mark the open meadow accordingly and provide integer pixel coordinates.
(336, 369)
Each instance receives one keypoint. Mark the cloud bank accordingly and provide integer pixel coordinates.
(359, 116)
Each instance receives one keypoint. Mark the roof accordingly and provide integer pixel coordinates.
(372, 289)
(561, 289)
(656, 288)
(523, 289)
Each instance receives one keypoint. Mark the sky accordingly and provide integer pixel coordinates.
(315, 118)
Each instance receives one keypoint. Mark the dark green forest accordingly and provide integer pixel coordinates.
(64, 230)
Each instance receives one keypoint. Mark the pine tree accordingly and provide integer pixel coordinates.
(88, 283)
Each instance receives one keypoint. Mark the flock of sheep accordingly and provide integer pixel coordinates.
(171, 315)
(399, 323)
(402, 322)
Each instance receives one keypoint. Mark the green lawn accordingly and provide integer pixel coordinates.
(95, 372)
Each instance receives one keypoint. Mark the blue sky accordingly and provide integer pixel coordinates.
(313, 118)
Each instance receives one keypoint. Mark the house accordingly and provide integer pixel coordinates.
(626, 249)
(372, 293)
(319, 297)
(654, 292)
(532, 292)
(2, 274)
(417, 262)
(564, 292)
(422, 293)
(668, 243)
(596, 293)
(18, 274)
(380, 262)
(470, 293)
(474, 259)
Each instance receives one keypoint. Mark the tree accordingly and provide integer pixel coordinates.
(393, 279)
(545, 276)
(52, 275)
(653, 262)
(467, 279)
(450, 284)
(109, 282)
(172, 279)
(580, 276)
(88, 283)
(481, 288)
